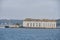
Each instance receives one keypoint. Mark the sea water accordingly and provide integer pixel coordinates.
(29, 34)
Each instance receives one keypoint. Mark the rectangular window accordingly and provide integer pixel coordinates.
(36, 24)
(39, 24)
(43, 24)
(50, 25)
(54, 25)
(28, 24)
(33, 24)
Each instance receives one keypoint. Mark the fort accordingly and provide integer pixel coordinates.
(39, 23)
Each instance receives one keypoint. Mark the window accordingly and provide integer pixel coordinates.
(33, 24)
(43, 24)
(50, 25)
(36, 24)
(39, 24)
(28, 24)
(54, 25)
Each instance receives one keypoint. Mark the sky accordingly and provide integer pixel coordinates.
(21, 9)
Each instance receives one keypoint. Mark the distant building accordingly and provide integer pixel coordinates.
(13, 26)
(45, 23)
(4, 23)
(9, 26)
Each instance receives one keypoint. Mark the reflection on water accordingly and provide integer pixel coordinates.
(29, 34)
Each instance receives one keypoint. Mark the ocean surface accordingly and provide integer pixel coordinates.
(29, 34)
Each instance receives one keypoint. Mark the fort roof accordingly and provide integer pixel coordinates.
(45, 20)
